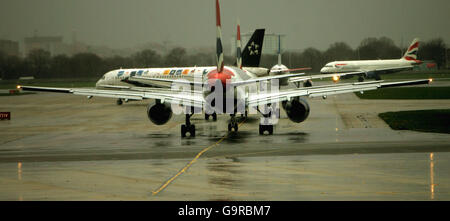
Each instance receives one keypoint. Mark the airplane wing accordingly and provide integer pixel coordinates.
(267, 78)
(174, 97)
(290, 70)
(176, 81)
(319, 91)
(319, 76)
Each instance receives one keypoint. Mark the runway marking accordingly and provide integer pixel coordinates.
(185, 168)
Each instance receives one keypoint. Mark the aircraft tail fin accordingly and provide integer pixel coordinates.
(251, 56)
(238, 47)
(219, 48)
(411, 53)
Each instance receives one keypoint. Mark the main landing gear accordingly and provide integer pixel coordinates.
(263, 128)
(266, 119)
(188, 127)
(214, 116)
(233, 125)
(120, 101)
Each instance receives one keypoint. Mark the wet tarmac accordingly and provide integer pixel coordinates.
(65, 147)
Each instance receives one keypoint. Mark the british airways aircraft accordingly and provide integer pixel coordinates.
(374, 68)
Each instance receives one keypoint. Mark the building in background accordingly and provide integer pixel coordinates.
(10, 48)
(52, 44)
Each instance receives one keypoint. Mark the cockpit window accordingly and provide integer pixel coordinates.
(104, 76)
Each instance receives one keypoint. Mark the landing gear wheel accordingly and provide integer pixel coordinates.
(188, 127)
(233, 127)
(119, 101)
(233, 124)
(270, 129)
(214, 116)
(263, 128)
(360, 79)
(183, 130)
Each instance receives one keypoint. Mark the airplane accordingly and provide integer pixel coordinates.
(374, 68)
(280, 68)
(228, 86)
(118, 79)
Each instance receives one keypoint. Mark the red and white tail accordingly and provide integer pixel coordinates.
(238, 46)
(219, 49)
(411, 53)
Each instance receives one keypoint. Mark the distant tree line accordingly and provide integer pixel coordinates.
(41, 64)
(369, 48)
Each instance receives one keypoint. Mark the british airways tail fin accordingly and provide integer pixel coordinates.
(411, 53)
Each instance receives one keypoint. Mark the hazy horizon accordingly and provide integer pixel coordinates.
(308, 23)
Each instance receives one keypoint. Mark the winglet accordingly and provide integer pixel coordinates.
(219, 49)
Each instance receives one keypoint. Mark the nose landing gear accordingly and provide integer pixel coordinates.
(214, 116)
(188, 127)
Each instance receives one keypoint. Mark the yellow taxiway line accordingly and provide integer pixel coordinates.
(168, 182)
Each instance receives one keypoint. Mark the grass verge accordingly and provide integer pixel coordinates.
(436, 121)
(16, 94)
(407, 93)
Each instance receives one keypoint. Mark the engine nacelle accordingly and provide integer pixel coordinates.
(258, 71)
(297, 109)
(280, 69)
(308, 83)
(159, 113)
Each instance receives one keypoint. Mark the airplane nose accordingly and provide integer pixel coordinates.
(323, 70)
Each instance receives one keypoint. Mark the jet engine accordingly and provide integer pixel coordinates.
(280, 69)
(159, 113)
(297, 109)
(308, 83)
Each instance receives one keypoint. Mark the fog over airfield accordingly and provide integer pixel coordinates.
(191, 23)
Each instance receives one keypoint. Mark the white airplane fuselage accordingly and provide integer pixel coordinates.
(364, 65)
(116, 77)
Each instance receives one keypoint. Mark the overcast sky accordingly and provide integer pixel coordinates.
(190, 23)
